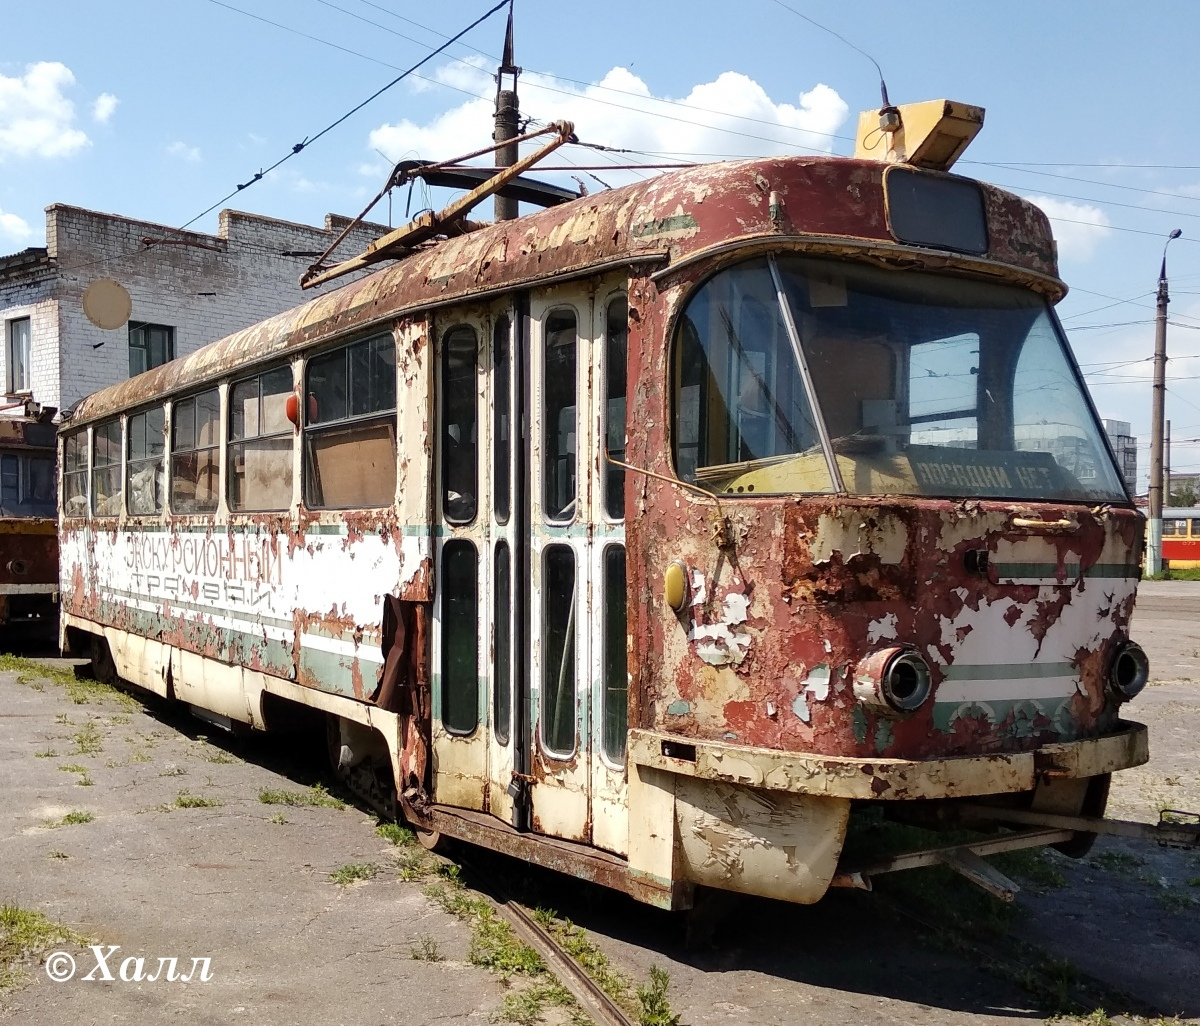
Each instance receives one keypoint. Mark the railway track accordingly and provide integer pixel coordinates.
(601, 1008)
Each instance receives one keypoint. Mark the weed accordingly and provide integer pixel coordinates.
(353, 872)
(1117, 862)
(72, 818)
(277, 819)
(315, 797)
(1036, 865)
(426, 950)
(412, 865)
(1194, 881)
(81, 690)
(400, 836)
(24, 937)
(61, 718)
(139, 757)
(183, 800)
(1177, 901)
(73, 768)
(87, 740)
(525, 1007)
(656, 1010)
(221, 757)
(173, 771)
(46, 753)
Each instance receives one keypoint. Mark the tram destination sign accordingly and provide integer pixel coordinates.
(942, 470)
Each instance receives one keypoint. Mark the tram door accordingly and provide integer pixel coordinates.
(529, 643)
(574, 549)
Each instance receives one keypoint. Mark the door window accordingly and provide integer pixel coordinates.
(616, 660)
(558, 649)
(460, 484)
(460, 637)
(501, 644)
(616, 348)
(558, 416)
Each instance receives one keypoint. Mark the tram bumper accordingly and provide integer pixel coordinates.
(772, 823)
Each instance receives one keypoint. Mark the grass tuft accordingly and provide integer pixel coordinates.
(183, 800)
(87, 740)
(426, 950)
(81, 690)
(314, 797)
(277, 819)
(25, 936)
(72, 818)
(656, 1010)
(395, 834)
(353, 872)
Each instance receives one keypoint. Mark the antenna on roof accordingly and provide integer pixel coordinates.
(507, 119)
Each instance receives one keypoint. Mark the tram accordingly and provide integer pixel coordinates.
(654, 535)
(28, 520)
(1181, 538)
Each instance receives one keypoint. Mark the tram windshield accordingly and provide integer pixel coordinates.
(925, 384)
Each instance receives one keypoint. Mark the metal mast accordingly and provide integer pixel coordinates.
(507, 118)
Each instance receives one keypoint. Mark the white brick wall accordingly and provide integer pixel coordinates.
(205, 289)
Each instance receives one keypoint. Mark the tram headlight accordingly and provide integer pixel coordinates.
(1128, 671)
(895, 680)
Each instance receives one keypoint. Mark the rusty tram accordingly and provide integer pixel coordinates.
(28, 519)
(653, 535)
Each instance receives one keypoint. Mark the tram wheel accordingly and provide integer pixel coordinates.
(431, 840)
(104, 669)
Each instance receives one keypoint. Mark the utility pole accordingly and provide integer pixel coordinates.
(1167, 466)
(507, 119)
(1154, 541)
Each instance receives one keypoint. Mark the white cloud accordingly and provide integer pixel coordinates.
(13, 228)
(1078, 227)
(103, 107)
(621, 111)
(184, 151)
(36, 118)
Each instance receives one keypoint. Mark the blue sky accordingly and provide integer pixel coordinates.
(157, 110)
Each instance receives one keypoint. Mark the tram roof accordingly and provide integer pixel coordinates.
(832, 205)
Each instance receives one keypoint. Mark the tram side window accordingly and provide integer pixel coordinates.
(350, 438)
(460, 637)
(616, 358)
(616, 660)
(260, 442)
(75, 474)
(558, 416)
(558, 649)
(195, 453)
(460, 476)
(144, 468)
(1175, 528)
(106, 468)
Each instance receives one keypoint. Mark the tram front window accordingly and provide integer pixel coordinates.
(928, 385)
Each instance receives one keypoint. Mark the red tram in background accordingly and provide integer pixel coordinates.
(654, 536)
(1181, 538)
(28, 519)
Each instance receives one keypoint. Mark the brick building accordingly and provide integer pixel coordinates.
(187, 289)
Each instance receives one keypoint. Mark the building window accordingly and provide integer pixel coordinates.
(260, 442)
(350, 439)
(195, 453)
(75, 474)
(106, 468)
(150, 346)
(144, 464)
(19, 349)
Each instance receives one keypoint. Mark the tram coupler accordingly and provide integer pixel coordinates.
(1174, 829)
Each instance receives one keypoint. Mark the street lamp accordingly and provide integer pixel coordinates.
(1154, 553)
